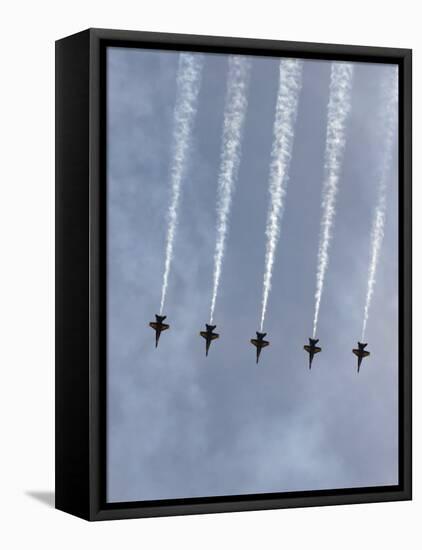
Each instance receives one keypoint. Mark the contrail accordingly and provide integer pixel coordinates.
(388, 104)
(188, 85)
(339, 104)
(234, 117)
(289, 86)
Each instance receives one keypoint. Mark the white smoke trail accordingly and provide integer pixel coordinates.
(234, 117)
(188, 85)
(339, 104)
(289, 86)
(389, 115)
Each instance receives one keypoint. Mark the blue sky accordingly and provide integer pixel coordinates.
(182, 425)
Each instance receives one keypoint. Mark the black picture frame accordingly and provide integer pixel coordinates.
(81, 274)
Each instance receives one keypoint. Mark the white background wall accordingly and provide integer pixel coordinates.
(27, 272)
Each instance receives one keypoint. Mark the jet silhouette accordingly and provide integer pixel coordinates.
(361, 353)
(158, 326)
(259, 343)
(312, 349)
(209, 336)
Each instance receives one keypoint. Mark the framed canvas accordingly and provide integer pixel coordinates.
(233, 277)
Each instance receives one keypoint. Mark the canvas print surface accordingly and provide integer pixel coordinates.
(252, 275)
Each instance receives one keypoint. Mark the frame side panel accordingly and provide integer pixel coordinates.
(405, 413)
(72, 275)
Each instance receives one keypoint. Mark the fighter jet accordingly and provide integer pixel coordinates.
(259, 343)
(158, 326)
(209, 336)
(312, 349)
(361, 353)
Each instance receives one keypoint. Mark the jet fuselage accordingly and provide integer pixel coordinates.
(360, 352)
(158, 325)
(312, 349)
(259, 343)
(209, 336)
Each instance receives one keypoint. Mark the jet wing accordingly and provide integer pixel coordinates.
(361, 353)
(260, 343)
(314, 350)
(157, 326)
(208, 335)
